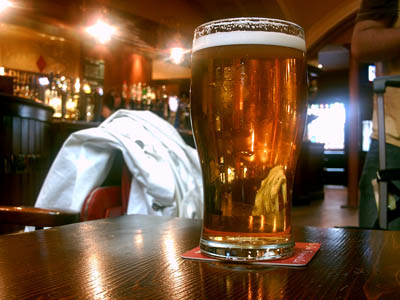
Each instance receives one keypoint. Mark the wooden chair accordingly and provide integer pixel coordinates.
(102, 202)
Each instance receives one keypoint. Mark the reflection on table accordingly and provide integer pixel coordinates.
(138, 257)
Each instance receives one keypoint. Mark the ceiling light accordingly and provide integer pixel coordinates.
(4, 4)
(101, 31)
(176, 55)
(320, 66)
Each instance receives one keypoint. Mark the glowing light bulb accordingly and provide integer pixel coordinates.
(101, 31)
(77, 85)
(43, 81)
(173, 103)
(86, 88)
(4, 4)
(176, 54)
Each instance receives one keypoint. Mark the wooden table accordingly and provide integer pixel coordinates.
(138, 257)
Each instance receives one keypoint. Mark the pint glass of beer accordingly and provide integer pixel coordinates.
(248, 110)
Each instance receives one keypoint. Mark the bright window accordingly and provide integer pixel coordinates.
(328, 125)
(371, 73)
(366, 134)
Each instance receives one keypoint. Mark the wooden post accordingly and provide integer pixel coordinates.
(354, 139)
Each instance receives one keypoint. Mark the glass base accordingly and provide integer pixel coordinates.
(245, 249)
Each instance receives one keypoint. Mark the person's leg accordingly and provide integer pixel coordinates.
(367, 208)
(393, 161)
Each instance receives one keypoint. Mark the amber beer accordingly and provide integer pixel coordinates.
(248, 109)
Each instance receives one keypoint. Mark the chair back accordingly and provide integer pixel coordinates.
(108, 201)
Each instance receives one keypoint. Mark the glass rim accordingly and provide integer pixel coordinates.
(250, 20)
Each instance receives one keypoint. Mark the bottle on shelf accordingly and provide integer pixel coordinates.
(21, 83)
(70, 98)
(16, 82)
(33, 88)
(139, 95)
(149, 99)
(55, 100)
(47, 94)
(133, 96)
(143, 103)
(158, 104)
(77, 98)
(71, 105)
(152, 97)
(90, 106)
(125, 94)
(164, 99)
(88, 101)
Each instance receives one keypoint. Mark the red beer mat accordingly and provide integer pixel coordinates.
(303, 253)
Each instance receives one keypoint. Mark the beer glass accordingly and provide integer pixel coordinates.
(248, 111)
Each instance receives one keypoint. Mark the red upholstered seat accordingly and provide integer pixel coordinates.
(109, 201)
(102, 202)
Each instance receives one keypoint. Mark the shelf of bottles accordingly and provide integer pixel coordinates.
(140, 96)
(174, 109)
(70, 98)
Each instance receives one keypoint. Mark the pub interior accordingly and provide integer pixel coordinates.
(52, 59)
(67, 66)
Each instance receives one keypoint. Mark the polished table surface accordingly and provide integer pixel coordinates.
(138, 257)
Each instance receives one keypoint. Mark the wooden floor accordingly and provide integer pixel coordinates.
(328, 212)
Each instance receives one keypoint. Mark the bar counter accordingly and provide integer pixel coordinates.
(139, 257)
(25, 147)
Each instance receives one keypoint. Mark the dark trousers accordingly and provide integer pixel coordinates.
(368, 213)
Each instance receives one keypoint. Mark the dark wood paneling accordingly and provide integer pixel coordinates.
(16, 132)
(39, 141)
(25, 143)
(32, 137)
(7, 141)
(24, 135)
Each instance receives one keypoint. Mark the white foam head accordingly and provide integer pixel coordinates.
(247, 38)
(244, 31)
